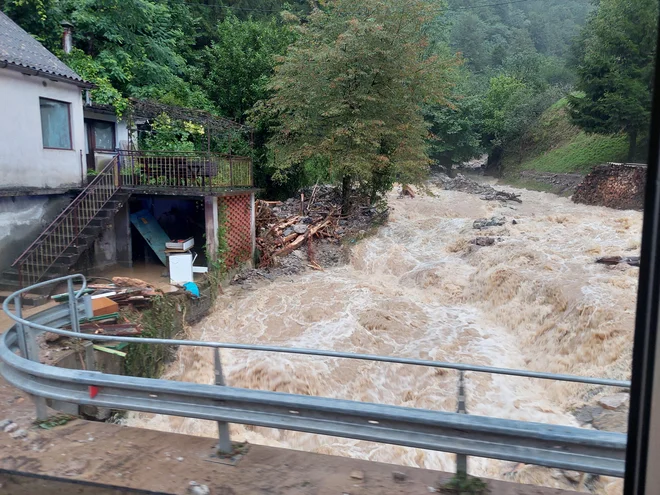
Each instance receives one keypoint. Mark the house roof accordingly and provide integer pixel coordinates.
(20, 51)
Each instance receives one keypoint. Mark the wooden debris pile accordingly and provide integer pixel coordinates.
(283, 227)
(118, 292)
(614, 185)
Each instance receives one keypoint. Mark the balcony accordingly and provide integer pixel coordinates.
(181, 172)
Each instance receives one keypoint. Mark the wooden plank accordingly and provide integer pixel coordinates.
(152, 232)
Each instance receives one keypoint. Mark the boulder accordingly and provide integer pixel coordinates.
(300, 228)
(615, 401)
(483, 223)
(484, 241)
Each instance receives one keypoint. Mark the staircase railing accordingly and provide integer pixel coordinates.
(64, 231)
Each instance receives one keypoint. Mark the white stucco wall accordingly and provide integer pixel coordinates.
(23, 160)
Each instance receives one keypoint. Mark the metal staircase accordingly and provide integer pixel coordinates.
(61, 244)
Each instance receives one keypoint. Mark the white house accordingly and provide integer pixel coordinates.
(42, 133)
(42, 137)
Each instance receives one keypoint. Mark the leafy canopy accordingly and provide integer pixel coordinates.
(615, 69)
(351, 89)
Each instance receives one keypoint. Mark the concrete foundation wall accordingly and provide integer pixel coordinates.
(22, 219)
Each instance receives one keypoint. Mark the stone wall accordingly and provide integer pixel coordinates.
(614, 185)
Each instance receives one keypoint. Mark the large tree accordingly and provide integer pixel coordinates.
(234, 70)
(615, 69)
(350, 92)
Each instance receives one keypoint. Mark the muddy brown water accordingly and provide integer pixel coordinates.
(535, 300)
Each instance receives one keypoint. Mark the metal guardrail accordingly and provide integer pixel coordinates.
(564, 447)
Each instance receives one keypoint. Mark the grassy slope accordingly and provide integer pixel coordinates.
(554, 145)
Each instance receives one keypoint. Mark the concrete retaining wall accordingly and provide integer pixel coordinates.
(615, 185)
(22, 219)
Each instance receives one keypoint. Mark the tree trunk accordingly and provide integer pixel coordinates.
(345, 194)
(494, 162)
(632, 145)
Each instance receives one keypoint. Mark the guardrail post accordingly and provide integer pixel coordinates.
(461, 459)
(90, 358)
(27, 343)
(224, 444)
(73, 307)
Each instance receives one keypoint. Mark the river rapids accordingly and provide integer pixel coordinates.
(418, 288)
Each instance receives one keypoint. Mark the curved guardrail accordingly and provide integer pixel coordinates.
(563, 447)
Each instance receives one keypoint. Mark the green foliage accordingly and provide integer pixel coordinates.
(615, 69)
(218, 267)
(554, 144)
(92, 70)
(455, 132)
(159, 321)
(54, 421)
(172, 135)
(463, 484)
(234, 70)
(581, 154)
(40, 18)
(351, 89)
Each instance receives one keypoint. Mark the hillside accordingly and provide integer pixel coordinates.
(554, 146)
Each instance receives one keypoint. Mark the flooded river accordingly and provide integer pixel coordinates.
(535, 300)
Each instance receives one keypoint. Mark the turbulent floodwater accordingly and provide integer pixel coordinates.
(418, 288)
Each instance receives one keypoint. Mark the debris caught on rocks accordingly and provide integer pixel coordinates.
(407, 190)
(399, 476)
(464, 184)
(483, 223)
(616, 260)
(52, 336)
(560, 183)
(614, 401)
(10, 428)
(19, 434)
(195, 488)
(357, 475)
(573, 476)
(484, 241)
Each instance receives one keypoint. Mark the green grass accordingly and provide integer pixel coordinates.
(580, 154)
(555, 145)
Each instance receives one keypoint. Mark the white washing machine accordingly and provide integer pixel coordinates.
(181, 268)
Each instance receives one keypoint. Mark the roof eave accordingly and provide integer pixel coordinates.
(54, 77)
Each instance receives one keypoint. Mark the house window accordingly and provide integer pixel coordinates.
(100, 135)
(104, 135)
(55, 124)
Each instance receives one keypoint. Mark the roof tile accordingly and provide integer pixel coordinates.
(17, 47)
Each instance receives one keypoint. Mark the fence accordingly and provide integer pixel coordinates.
(564, 447)
(180, 170)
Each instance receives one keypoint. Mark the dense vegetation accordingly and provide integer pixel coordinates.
(368, 92)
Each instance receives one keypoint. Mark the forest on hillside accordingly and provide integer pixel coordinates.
(366, 93)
